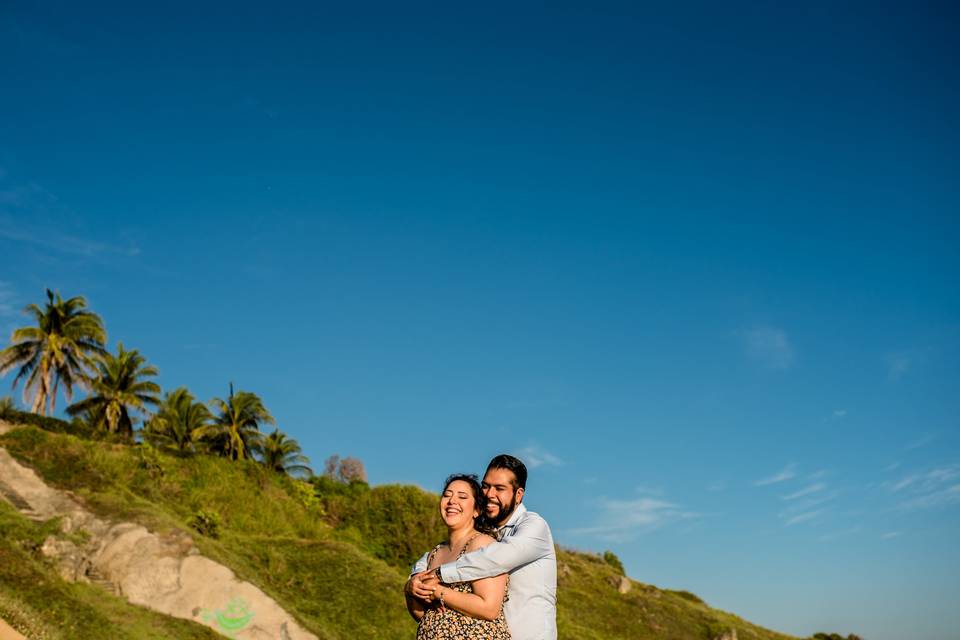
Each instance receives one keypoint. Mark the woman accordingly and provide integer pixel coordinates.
(465, 610)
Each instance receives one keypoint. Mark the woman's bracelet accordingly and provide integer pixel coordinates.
(442, 606)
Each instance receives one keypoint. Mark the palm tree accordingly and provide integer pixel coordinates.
(235, 431)
(119, 390)
(284, 455)
(178, 421)
(58, 350)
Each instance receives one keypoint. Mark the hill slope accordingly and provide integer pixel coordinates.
(334, 556)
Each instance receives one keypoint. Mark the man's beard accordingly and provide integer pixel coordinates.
(506, 510)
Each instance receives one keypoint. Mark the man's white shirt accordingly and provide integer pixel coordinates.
(526, 552)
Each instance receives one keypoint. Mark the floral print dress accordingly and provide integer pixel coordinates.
(447, 624)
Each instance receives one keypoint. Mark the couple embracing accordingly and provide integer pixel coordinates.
(495, 577)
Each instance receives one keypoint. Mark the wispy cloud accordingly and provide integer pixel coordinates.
(804, 517)
(922, 441)
(891, 534)
(934, 488)
(902, 363)
(536, 456)
(63, 243)
(940, 498)
(903, 483)
(647, 489)
(32, 215)
(806, 507)
(716, 486)
(813, 488)
(769, 346)
(788, 473)
(621, 520)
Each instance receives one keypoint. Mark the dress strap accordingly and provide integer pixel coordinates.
(472, 538)
(433, 554)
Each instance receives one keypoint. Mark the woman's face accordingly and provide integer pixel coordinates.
(458, 508)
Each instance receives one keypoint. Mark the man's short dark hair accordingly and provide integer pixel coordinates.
(508, 462)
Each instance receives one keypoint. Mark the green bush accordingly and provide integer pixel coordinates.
(611, 559)
(206, 523)
(149, 460)
(686, 595)
(393, 522)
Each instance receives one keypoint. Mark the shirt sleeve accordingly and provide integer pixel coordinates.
(530, 541)
(421, 564)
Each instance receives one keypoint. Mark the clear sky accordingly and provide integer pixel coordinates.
(697, 264)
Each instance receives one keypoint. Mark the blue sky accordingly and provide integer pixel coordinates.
(697, 265)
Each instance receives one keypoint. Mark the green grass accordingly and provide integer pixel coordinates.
(591, 608)
(334, 555)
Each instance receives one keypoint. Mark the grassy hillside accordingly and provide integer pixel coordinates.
(334, 555)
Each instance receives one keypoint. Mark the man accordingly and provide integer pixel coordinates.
(525, 551)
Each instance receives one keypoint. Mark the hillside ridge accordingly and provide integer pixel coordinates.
(313, 555)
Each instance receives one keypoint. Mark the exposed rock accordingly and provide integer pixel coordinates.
(727, 635)
(72, 561)
(9, 633)
(623, 584)
(165, 573)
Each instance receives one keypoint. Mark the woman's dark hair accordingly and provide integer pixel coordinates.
(480, 523)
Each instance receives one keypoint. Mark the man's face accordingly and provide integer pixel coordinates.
(502, 497)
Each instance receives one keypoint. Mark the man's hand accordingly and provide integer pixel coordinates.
(422, 585)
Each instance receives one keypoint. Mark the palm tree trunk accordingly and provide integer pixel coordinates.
(40, 400)
(53, 396)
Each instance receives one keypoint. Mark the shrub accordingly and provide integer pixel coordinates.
(149, 460)
(611, 559)
(206, 523)
(306, 494)
(686, 595)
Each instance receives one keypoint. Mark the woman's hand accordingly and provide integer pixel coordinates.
(436, 595)
(419, 592)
